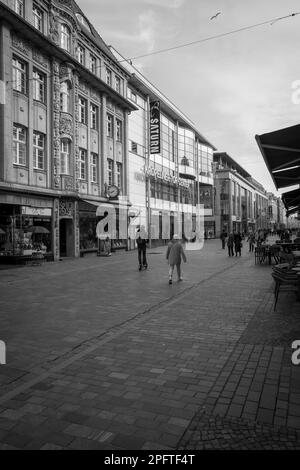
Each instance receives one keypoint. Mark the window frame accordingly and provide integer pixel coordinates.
(110, 172)
(65, 37)
(80, 54)
(93, 63)
(94, 116)
(108, 78)
(109, 126)
(36, 10)
(19, 7)
(39, 82)
(82, 164)
(119, 130)
(82, 110)
(65, 155)
(19, 75)
(17, 143)
(119, 173)
(36, 148)
(65, 98)
(94, 165)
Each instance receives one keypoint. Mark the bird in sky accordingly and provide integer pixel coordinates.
(216, 15)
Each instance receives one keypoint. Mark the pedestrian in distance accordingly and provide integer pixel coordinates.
(238, 243)
(141, 241)
(251, 241)
(223, 238)
(175, 253)
(230, 244)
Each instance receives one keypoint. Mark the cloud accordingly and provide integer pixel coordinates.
(173, 4)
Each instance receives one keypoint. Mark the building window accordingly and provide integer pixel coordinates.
(64, 157)
(39, 89)
(38, 150)
(109, 122)
(92, 66)
(108, 76)
(80, 54)
(38, 19)
(94, 168)
(82, 103)
(134, 147)
(119, 132)
(19, 75)
(65, 37)
(19, 7)
(118, 84)
(119, 175)
(82, 164)
(65, 97)
(110, 166)
(19, 145)
(94, 116)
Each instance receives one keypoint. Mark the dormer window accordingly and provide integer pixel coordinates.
(65, 37)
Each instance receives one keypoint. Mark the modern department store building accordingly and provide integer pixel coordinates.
(172, 182)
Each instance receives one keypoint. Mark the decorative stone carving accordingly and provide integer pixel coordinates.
(20, 44)
(76, 134)
(66, 125)
(66, 73)
(83, 87)
(56, 124)
(40, 58)
(54, 27)
(95, 96)
(66, 208)
(68, 183)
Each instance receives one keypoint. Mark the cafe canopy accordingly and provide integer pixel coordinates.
(281, 152)
(291, 201)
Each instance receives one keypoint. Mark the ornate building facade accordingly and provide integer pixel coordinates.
(63, 128)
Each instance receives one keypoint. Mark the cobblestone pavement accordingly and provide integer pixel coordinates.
(101, 356)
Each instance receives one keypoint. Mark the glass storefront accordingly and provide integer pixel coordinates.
(25, 231)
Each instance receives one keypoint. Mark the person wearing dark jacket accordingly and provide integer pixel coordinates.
(238, 243)
(175, 253)
(141, 242)
(223, 238)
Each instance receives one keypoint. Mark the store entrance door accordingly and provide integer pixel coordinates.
(66, 237)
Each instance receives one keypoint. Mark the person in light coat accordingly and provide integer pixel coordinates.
(175, 253)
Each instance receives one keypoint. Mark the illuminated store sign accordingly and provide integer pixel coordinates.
(164, 176)
(154, 127)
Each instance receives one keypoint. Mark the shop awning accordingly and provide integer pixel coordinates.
(291, 201)
(281, 152)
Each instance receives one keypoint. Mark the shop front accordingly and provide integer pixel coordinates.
(89, 219)
(25, 229)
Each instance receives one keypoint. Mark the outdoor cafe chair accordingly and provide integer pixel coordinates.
(260, 253)
(285, 280)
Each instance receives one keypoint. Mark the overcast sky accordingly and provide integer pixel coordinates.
(232, 87)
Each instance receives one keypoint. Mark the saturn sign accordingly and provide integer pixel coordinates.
(154, 127)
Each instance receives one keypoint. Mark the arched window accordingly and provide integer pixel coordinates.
(65, 37)
(65, 97)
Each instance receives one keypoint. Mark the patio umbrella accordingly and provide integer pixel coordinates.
(37, 229)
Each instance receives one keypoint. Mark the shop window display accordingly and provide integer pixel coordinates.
(24, 234)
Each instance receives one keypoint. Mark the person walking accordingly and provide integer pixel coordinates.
(230, 243)
(238, 243)
(141, 241)
(174, 254)
(223, 238)
(251, 241)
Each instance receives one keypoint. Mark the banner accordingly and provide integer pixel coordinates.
(154, 144)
